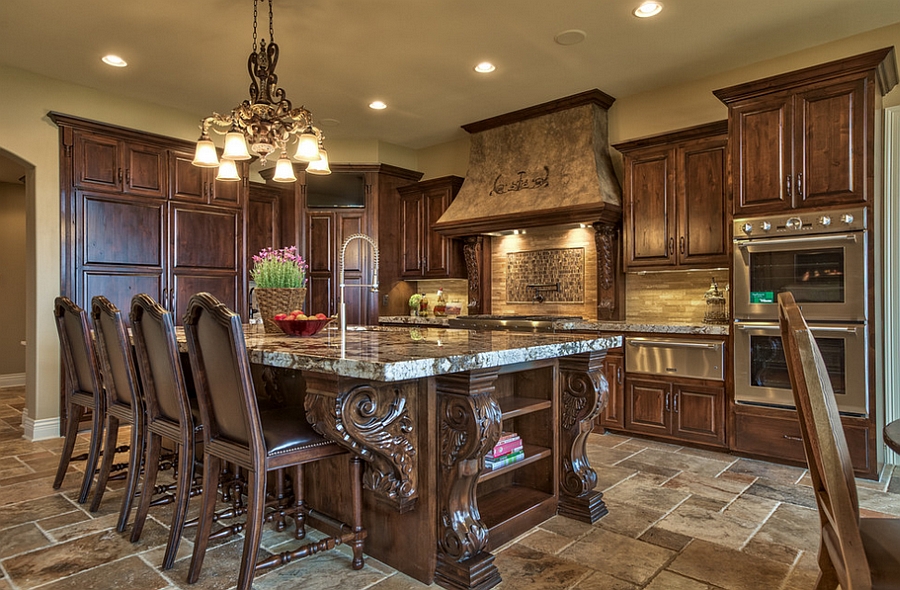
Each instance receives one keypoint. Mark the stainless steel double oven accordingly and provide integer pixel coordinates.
(821, 257)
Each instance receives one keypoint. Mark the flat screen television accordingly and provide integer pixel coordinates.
(338, 189)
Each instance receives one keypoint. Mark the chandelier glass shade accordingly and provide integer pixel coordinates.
(266, 123)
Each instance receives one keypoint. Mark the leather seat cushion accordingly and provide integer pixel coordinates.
(286, 430)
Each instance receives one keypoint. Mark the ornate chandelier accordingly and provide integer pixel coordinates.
(267, 123)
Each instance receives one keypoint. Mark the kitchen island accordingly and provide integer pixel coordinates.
(423, 406)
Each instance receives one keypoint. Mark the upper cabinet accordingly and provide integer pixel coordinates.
(126, 166)
(199, 185)
(806, 139)
(425, 253)
(675, 199)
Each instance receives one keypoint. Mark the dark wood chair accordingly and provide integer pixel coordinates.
(855, 553)
(235, 430)
(122, 399)
(169, 415)
(82, 389)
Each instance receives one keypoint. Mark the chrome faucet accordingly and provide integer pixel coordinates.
(373, 285)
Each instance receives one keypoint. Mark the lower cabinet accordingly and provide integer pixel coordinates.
(613, 415)
(684, 409)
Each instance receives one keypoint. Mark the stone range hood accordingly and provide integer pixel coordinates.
(541, 166)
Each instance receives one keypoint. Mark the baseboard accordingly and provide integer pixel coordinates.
(12, 380)
(40, 429)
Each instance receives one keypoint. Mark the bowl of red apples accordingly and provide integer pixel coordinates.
(298, 323)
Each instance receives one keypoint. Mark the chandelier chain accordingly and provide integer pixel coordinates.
(271, 26)
(254, 25)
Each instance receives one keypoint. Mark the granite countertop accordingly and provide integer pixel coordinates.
(601, 326)
(413, 320)
(586, 325)
(393, 353)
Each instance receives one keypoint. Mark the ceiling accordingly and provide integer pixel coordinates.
(415, 55)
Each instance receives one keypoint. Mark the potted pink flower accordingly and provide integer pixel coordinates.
(280, 277)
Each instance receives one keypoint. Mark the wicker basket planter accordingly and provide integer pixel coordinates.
(273, 301)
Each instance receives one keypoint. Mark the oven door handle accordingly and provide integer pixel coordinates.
(790, 241)
(666, 344)
(768, 326)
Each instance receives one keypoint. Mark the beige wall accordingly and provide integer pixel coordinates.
(32, 139)
(12, 278)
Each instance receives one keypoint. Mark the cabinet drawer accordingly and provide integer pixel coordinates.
(676, 357)
(779, 437)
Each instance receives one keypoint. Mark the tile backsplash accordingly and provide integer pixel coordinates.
(670, 297)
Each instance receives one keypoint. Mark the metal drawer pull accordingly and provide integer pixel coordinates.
(789, 437)
(814, 329)
(665, 344)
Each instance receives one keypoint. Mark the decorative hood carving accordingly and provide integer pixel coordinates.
(541, 166)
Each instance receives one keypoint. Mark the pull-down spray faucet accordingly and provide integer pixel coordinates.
(373, 285)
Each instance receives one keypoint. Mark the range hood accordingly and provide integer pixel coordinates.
(542, 166)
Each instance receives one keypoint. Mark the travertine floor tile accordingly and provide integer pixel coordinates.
(527, 569)
(628, 519)
(673, 581)
(130, 573)
(727, 568)
(619, 556)
(645, 491)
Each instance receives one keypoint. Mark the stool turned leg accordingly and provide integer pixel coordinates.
(299, 503)
(356, 470)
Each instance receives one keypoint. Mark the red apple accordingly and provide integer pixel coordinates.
(280, 316)
(321, 316)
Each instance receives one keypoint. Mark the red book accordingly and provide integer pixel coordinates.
(505, 448)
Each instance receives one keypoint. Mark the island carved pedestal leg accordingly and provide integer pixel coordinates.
(585, 393)
(469, 421)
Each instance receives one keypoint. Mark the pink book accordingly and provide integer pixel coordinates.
(505, 448)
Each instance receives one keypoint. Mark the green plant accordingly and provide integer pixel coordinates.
(282, 268)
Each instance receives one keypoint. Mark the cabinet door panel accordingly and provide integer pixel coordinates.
(613, 416)
(145, 171)
(436, 245)
(122, 232)
(320, 250)
(699, 413)
(222, 286)
(188, 181)
(647, 406)
(702, 217)
(649, 236)
(411, 221)
(227, 193)
(97, 162)
(761, 155)
(205, 238)
(357, 254)
(830, 145)
(263, 229)
(120, 286)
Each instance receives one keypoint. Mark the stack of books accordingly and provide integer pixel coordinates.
(508, 450)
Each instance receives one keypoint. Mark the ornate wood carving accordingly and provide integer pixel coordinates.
(609, 280)
(473, 251)
(585, 393)
(469, 422)
(374, 423)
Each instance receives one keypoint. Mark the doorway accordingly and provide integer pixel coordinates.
(12, 270)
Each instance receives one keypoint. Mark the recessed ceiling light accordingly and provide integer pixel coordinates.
(377, 105)
(647, 9)
(570, 37)
(485, 67)
(114, 60)
(329, 122)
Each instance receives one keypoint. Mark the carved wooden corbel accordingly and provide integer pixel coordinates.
(610, 282)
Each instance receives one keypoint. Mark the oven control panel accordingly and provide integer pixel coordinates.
(805, 222)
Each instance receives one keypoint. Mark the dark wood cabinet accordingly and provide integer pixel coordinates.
(806, 139)
(613, 415)
(132, 225)
(683, 409)
(675, 199)
(199, 185)
(425, 253)
(108, 163)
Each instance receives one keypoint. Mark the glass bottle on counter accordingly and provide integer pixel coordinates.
(423, 305)
(440, 306)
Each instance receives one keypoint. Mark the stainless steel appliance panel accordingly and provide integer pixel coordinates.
(760, 369)
(820, 257)
(679, 357)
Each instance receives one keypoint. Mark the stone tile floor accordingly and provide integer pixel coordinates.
(679, 519)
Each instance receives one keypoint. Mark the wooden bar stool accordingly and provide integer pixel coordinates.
(82, 389)
(123, 401)
(855, 553)
(235, 430)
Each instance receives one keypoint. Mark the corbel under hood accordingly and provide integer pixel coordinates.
(541, 166)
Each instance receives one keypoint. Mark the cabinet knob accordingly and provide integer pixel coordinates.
(681, 244)
(119, 174)
(619, 375)
(671, 245)
(675, 403)
(800, 185)
(787, 185)
(667, 406)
